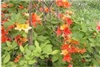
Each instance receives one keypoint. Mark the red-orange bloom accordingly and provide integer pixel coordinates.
(17, 58)
(68, 20)
(58, 32)
(4, 33)
(20, 40)
(11, 27)
(21, 7)
(66, 31)
(74, 42)
(67, 58)
(4, 38)
(4, 5)
(73, 50)
(98, 26)
(82, 51)
(67, 4)
(63, 3)
(70, 65)
(35, 19)
(65, 46)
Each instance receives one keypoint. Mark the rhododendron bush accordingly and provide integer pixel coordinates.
(50, 33)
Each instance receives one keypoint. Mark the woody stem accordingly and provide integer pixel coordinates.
(30, 23)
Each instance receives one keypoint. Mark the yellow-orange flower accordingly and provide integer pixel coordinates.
(69, 12)
(64, 52)
(62, 27)
(24, 27)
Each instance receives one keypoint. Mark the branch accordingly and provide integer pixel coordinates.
(30, 23)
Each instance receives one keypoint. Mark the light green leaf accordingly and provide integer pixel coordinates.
(84, 27)
(22, 62)
(31, 61)
(55, 58)
(8, 43)
(7, 58)
(47, 49)
(55, 52)
(41, 38)
(44, 44)
(14, 44)
(21, 48)
(37, 47)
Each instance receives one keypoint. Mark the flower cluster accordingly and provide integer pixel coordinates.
(4, 37)
(17, 58)
(70, 46)
(98, 26)
(24, 27)
(63, 3)
(20, 40)
(35, 19)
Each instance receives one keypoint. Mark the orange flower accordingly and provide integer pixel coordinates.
(66, 31)
(4, 38)
(4, 33)
(20, 40)
(66, 4)
(64, 52)
(73, 50)
(4, 5)
(62, 27)
(58, 32)
(82, 51)
(65, 46)
(35, 19)
(44, 9)
(98, 26)
(74, 42)
(67, 58)
(69, 12)
(11, 27)
(68, 20)
(17, 58)
(21, 7)
(63, 3)
(70, 65)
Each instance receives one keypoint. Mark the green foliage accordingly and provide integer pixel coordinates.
(46, 45)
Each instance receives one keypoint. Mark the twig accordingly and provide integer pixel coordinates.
(30, 23)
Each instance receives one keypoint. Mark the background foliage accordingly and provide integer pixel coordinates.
(46, 47)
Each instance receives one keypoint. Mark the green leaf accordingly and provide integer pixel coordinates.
(44, 44)
(47, 49)
(8, 43)
(27, 57)
(7, 58)
(31, 61)
(84, 27)
(22, 62)
(6, 24)
(55, 58)
(41, 38)
(42, 57)
(55, 52)
(21, 48)
(14, 44)
(54, 22)
(37, 47)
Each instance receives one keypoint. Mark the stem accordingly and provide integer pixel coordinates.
(30, 23)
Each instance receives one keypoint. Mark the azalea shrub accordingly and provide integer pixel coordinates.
(57, 33)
